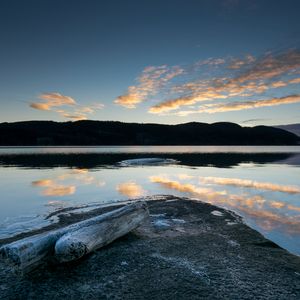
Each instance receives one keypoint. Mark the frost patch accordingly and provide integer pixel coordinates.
(231, 223)
(217, 213)
(180, 221)
(233, 243)
(158, 215)
(161, 223)
(184, 264)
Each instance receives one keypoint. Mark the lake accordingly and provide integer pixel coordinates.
(262, 184)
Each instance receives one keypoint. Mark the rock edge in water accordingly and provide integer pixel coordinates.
(186, 250)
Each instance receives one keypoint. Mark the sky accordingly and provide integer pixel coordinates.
(171, 61)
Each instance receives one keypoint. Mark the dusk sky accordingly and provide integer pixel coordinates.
(162, 61)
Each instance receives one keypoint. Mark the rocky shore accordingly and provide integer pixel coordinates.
(186, 250)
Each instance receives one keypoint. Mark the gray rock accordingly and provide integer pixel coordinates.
(200, 258)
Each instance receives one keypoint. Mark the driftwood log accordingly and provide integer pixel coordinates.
(27, 253)
(109, 227)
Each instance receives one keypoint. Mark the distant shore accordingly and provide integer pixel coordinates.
(97, 133)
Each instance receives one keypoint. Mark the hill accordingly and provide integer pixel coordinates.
(91, 133)
(293, 128)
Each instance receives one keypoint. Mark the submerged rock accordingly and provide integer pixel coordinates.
(199, 257)
(147, 161)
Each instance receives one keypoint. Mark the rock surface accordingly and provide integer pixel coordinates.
(186, 250)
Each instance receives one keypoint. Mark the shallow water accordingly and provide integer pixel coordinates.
(260, 183)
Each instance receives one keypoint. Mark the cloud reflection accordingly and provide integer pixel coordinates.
(59, 190)
(268, 215)
(130, 189)
(251, 184)
(54, 187)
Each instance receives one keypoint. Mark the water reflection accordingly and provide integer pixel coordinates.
(267, 215)
(130, 189)
(251, 184)
(53, 187)
(108, 160)
(260, 187)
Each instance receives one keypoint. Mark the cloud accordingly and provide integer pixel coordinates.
(251, 184)
(295, 80)
(57, 99)
(148, 83)
(130, 189)
(255, 120)
(52, 100)
(210, 62)
(77, 117)
(242, 105)
(270, 66)
(240, 63)
(175, 104)
(72, 110)
(248, 77)
(40, 106)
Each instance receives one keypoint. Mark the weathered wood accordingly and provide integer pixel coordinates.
(27, 253)
(112, 225)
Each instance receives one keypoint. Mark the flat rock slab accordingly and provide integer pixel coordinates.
(186, 250)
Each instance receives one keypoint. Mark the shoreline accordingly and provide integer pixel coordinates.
(187, 249)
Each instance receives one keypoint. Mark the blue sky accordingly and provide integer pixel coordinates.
(159, 61)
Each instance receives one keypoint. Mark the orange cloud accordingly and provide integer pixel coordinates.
(295, 80)
(40, 106)
(253, 76)
(57, 99)
(77, 117)
(239, 63)
(270, 66)
(53, 100)
(174, 104)
(277, 84)
(149, 82)
(235, 106)
(130, 189)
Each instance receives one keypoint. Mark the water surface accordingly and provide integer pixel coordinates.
(260, 183)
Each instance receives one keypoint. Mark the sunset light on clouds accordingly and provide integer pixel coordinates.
(195, 62)
(150, 149)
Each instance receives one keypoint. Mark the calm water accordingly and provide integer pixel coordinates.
(260, 183)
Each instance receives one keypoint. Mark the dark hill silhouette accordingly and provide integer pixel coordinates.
(89, 133)
(293, 128)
